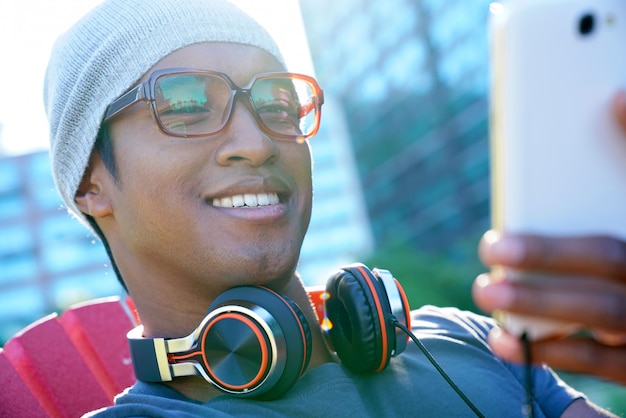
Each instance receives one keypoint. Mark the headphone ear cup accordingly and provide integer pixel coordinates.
(357, 308)
(286, 334)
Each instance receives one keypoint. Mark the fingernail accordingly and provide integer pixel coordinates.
(504, 345)
(508, 250)
(492, 295)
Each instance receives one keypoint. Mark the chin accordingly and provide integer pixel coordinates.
(274, 275)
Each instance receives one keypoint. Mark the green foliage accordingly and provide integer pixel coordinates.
(428, 278)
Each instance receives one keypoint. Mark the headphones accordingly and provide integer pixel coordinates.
(256, 342)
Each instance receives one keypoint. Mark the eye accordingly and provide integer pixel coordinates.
(184, 113)
(182, 96)
(278, 108)
(279, 111)
(184, 108)
(191, 104)
(280, 118)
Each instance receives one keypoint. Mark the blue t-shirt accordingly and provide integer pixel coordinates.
(409, 386)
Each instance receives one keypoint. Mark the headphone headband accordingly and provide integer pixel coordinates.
(242, 346)
(256, 342)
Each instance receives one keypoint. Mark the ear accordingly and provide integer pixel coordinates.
(91, 197)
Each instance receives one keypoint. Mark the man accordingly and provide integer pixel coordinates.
(199, 183)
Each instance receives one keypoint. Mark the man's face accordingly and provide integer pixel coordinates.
(172, 224)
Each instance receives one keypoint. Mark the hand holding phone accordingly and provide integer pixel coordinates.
(558, 155)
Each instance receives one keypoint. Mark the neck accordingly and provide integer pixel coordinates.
(320, 352)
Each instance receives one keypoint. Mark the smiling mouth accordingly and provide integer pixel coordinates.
(247, 200)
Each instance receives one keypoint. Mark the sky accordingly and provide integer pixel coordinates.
(28, 29)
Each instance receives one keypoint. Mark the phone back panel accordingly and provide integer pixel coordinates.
(558, 155)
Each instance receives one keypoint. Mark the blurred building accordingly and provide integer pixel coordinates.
(412, 78)
(47, 259)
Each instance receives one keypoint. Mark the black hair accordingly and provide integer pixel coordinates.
(104, 148)
(107, 248)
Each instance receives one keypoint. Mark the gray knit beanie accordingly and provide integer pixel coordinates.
(108, 51)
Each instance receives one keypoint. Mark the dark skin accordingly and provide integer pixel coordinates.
(592, 293)
(176, 250)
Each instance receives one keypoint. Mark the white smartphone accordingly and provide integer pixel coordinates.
(558, 156)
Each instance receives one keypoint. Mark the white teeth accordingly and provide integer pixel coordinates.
(248, 200)
(238, 201)
(263, 199)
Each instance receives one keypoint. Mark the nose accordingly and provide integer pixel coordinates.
(244, 139)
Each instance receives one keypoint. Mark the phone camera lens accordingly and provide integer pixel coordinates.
(586, 24)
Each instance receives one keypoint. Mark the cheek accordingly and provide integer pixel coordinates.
(149, 161)
(304, 161)
(146, 173)
(153, 188)
(298, 161)
(302, 170)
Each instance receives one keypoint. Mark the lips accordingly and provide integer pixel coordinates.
(269, 192)
(251, 200)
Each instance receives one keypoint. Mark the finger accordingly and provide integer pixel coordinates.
(593, 256)
(498, 249)
(619, 108)
(506, 346)
(574, 354)
(609, 337)
(594, 304)
(491, 294)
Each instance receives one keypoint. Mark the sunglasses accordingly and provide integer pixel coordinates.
(192, 103)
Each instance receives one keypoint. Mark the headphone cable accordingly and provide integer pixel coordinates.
(528, 376)
(437, 366)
